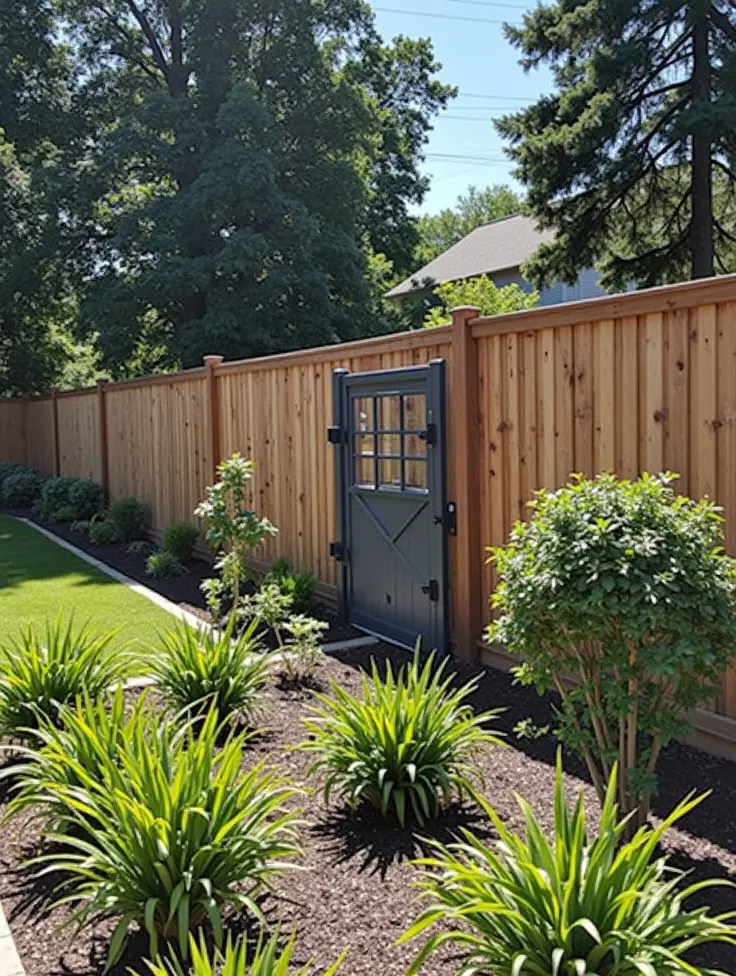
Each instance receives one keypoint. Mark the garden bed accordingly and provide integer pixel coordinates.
(356, 891)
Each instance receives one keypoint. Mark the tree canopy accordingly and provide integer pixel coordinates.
(474, 208)
(482, 293)
(206, 175)
(631, 158)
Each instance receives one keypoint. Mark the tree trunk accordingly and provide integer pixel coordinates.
(701, 228)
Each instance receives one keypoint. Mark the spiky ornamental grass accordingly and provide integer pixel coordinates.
(267, 959)
(198, 669)
(172, 833)
(41, 673)
(407, 745)
(580, 905)
(66, 757)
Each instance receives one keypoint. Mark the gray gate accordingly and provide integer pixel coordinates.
(392, 513)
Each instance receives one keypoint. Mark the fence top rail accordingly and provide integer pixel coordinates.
(393, 342)
(650, 300)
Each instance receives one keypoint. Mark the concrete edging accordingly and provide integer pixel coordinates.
(10, 964)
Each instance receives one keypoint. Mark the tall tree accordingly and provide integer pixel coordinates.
(439, 231)
(253, 156)
(631, 159)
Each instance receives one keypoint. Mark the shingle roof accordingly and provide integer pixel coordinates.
(503, 244)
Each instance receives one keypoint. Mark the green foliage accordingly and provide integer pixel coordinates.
(7, 468)
(163, 565)
(22, 488)
(180, 539)
(483, 294)
(266, 959)
(407, 745)
(67, 754)
(607, 157)
(233, 529)
(299, 586)
(128, 515)
(65, 514)
(302, 649)
(623, 585)
(55, 495)
(174, 831)
(577, 904)
(103, 532)
(140, 547)
(438, 232)
(39, 673)
(204, 669)
(86, 497)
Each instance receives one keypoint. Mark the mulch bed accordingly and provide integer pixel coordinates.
(184, 590)
(357, 888)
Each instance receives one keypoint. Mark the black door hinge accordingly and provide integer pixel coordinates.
(337, 551)
(429, 435)
(432, 590)
(334, 435)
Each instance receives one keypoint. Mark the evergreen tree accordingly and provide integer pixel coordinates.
(631, 159)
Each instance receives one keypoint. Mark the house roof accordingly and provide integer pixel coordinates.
(498, 246)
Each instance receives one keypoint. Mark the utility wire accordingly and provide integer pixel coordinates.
(417, 13)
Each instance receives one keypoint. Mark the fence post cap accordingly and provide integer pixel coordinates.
(465, 311)
(213, 360)
(103, 380)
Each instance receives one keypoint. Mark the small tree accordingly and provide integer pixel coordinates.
(617, 595)
(233, 529)
(481, 292)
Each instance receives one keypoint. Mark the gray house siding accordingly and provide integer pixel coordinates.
(585, 287)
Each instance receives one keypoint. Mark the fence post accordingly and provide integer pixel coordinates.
(466, 586)
(55, 430)
(102, 427)
(213, 408)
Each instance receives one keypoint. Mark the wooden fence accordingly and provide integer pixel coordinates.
(641, 381)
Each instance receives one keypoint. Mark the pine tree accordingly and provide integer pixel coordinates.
(632, 158)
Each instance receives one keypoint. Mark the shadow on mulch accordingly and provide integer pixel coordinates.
(376, 844)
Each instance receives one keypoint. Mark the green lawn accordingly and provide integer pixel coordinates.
(39, 578)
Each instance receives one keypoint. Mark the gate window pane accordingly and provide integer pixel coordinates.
(389, 445)
(415, 446)
(365, 471)
(389, 473)
(363, 414)
(388, 412)
(415, 476)
(364, 444)
(415, 411)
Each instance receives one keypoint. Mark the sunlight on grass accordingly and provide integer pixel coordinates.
(39, 578)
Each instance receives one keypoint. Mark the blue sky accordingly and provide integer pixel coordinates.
(476, 57)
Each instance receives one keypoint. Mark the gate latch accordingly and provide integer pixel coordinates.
(449, 519)
(334, 435)
(432, 590)
(429, 435)
(337, 551)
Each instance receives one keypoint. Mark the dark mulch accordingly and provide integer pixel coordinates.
(182, 590)
(356, 891)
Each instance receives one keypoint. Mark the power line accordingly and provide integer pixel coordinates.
(510, 98)
(491, 3)
(417, 13)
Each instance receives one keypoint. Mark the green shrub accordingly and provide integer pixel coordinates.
(406, 745)
(65, 514)
(180, 539)
(163, 565)
(128, 515)
(301, 652)
(22, 489)
(6, 469)
(140, 547)
(55, 496)
(175, 830)
(70, 755)
(577, 904)
(267, 959)
(299, 586)
(86, 497)
(200, 669)
(80, 525)
(41, 673)
(624, 586)
(103, 532)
